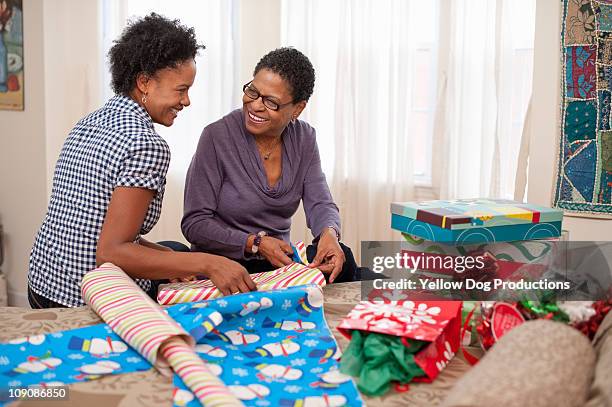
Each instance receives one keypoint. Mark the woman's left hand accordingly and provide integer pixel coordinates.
(330, 257)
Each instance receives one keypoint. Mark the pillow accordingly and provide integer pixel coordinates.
(538, 363)
(601, 389)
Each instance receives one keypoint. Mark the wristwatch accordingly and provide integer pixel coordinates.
(257, 241)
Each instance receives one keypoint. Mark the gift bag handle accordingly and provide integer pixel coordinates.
(471, 359)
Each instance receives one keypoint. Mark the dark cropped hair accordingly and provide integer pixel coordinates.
(294, 67)
(148, 45)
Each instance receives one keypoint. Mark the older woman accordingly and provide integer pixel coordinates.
(254, 166)
(110, 176)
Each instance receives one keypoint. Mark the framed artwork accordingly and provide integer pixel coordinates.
(11, 55)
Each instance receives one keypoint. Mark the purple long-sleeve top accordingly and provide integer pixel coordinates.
(227, 196)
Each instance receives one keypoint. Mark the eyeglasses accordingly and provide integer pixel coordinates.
(254, 94)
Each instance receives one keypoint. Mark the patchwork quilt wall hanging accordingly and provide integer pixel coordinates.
(584, 172)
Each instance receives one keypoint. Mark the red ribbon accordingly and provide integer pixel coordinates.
(590, 327)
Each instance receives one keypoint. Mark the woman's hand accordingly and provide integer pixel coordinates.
(330, 257)
(229, 276)
(276, 251)
(183, 279)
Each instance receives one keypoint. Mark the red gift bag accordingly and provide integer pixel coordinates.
(437, 322)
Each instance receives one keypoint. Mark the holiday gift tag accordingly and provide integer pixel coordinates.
(505, 317)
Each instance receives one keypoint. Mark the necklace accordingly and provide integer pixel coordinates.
(270, 149)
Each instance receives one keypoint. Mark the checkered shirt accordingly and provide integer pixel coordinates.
(114, 146)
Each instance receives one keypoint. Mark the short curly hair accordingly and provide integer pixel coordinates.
(292, 66)
(147, 45)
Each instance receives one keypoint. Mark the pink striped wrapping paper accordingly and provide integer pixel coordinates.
(300, 248)
(136, 318)
(289, 276)
(207, 387)
(141, 323)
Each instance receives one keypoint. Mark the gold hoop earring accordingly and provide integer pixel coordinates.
(144, 99)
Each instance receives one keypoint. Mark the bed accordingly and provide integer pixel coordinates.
(150, 388)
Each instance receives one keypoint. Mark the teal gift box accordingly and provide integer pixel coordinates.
(476, 220)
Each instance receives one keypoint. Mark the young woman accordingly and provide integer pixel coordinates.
(109, 179)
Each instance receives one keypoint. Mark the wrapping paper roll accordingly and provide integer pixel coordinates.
(289, 276)
(141, 323)
(196, 375)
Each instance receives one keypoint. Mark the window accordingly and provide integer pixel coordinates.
(345, 38)
(425, 20)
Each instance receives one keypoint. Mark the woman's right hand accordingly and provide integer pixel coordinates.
(229, 277)
(276, 251)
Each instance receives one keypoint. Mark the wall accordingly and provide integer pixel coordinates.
(61, 73)
(23, 193)
(546, 121)
(72, 70)
(258, 35)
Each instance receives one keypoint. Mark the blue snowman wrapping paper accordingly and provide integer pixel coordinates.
(274, 348)
(86, 353)
(66, 357)
(271, 348)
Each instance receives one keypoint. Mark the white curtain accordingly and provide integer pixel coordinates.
(213, 94)
(369, 57)
(363, 56)
(487, 86)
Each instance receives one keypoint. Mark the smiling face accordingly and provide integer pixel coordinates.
(167, 92)
(261, 121)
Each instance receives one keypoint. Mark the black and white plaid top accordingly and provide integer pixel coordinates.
(114, 146)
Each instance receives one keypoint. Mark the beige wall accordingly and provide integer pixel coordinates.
(23, 188)
(258, 35)
(72, 70)
(546, 123)
(61, 85)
